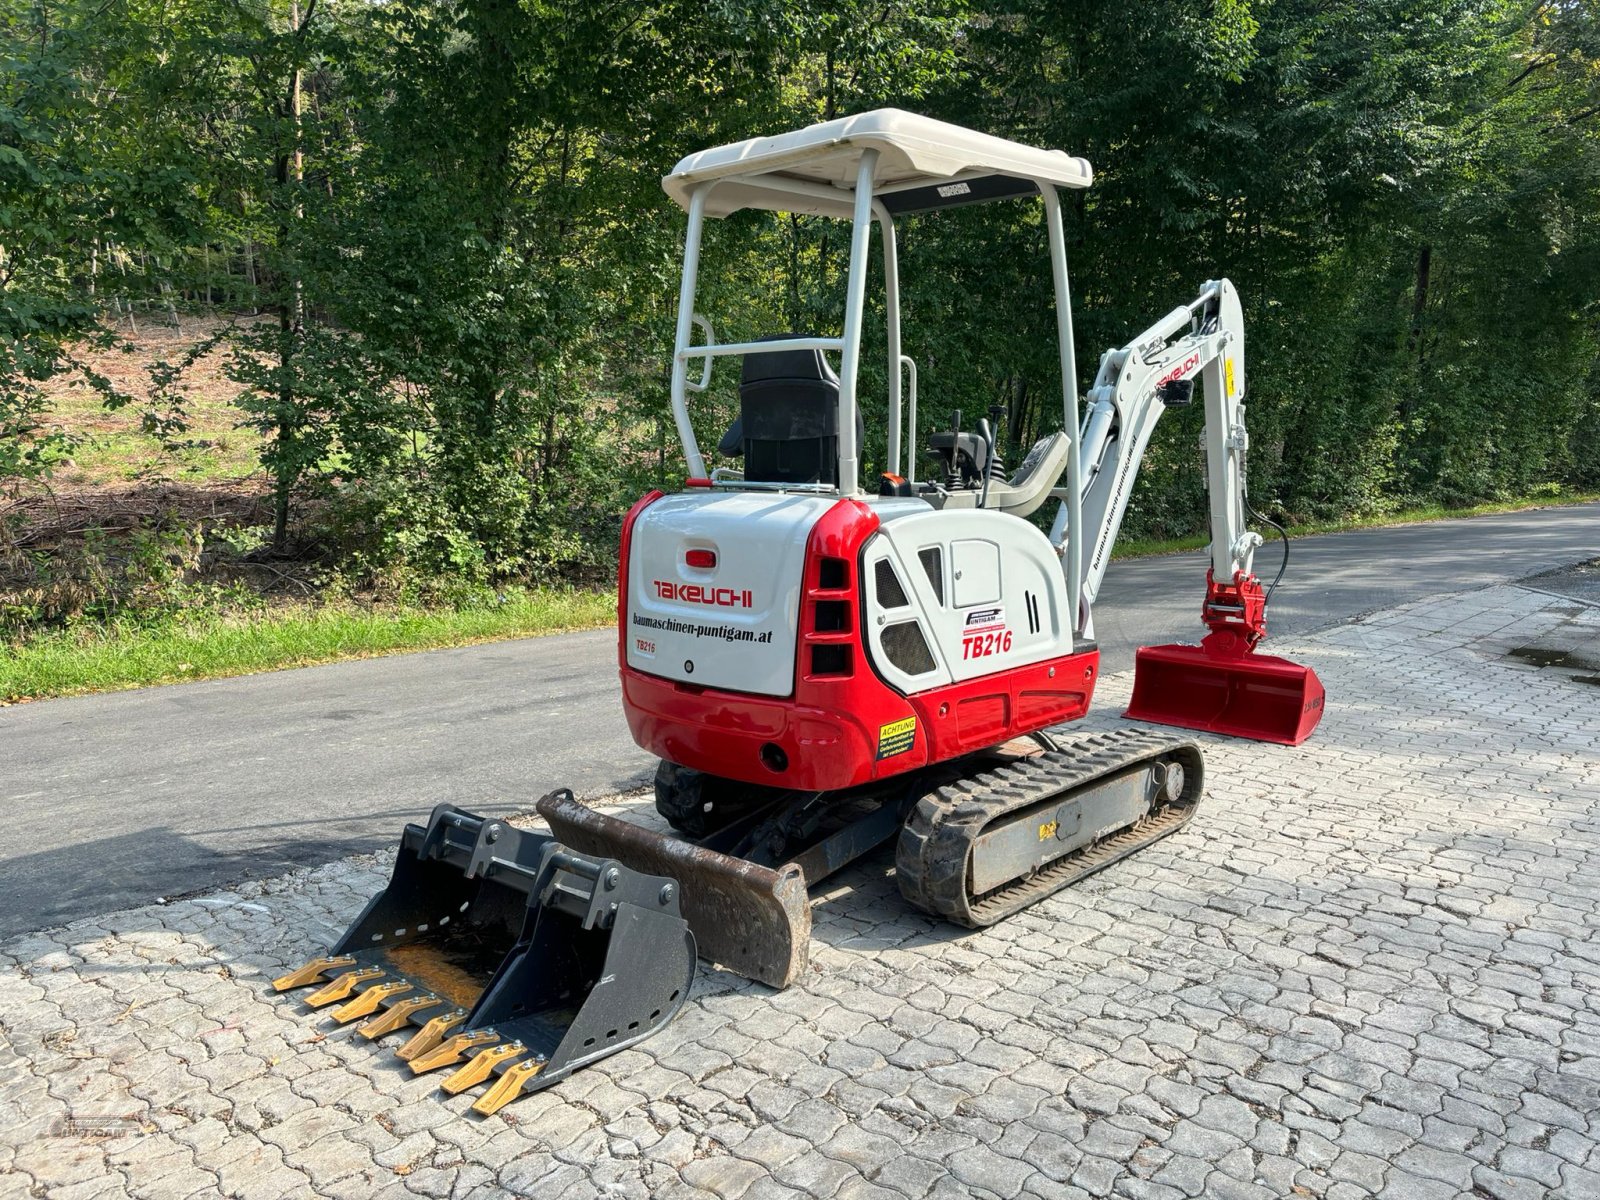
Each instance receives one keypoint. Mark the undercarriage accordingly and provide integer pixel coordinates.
(978, 837)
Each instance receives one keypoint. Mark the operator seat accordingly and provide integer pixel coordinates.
(788, 424)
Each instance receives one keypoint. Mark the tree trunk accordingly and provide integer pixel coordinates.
(291, 311)
(1419, 299)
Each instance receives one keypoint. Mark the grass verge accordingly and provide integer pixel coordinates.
(1135, 547)
(210, 646)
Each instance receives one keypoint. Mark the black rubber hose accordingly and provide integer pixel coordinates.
(1283, 534)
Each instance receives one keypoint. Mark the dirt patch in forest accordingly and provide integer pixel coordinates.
(113, 447)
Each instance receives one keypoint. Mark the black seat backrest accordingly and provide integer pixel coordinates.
(788, 426)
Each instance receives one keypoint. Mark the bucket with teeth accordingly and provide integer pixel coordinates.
(505, 955)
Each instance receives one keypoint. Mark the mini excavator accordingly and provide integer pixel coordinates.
(823, 666)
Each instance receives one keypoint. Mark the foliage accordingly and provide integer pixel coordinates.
(141, 580)
(446, 220)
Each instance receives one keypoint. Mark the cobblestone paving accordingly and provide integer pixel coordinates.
(1370, 966)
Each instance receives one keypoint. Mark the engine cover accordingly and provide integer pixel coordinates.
(713, 588)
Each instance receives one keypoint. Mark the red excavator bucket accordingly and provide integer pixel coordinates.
(1240, 694)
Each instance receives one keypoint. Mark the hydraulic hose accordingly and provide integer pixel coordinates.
(1283, 535)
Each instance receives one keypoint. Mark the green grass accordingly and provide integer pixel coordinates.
(1137, 547)
(211, 646)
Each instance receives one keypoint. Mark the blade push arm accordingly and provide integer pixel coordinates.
(1203, 341)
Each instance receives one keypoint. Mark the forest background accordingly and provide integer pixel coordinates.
(352, 319)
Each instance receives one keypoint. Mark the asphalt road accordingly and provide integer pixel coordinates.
(114, 800)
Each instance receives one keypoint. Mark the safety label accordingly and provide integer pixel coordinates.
(896, 737)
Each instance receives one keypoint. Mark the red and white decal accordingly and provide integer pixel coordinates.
(981, 644)
(1182, 369)
(698, 593)
(985, 618)
(985, 632)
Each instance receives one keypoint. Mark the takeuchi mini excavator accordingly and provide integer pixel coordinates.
(825, 663)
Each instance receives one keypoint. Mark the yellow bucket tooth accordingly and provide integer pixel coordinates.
(368, 1002)
(431, 1034)
(342, 986)
(481, 1067)
(395, 1017)
(508, 1087)
(311, 972)
(453, 1050)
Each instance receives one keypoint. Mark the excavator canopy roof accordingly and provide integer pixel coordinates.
(922, 164)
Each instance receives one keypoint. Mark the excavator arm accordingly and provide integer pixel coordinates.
(1202, 341)
(1222, 684)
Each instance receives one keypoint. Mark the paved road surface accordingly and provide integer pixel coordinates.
(114, 800)
(1366, 971)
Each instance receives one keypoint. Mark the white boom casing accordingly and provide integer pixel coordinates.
(1202, 340)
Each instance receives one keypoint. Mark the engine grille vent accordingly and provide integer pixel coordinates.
(907, 648)
(890, 593)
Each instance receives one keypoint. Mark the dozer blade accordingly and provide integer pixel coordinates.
(751, 919)
(1249, 695)
(502, 945)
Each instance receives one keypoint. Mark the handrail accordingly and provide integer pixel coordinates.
(906, 361)
(711, 340)
(726, 348)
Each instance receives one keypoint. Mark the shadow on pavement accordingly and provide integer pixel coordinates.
(58, 886)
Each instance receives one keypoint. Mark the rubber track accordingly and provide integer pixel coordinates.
(935, 848)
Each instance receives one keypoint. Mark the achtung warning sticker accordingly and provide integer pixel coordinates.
(896, 737)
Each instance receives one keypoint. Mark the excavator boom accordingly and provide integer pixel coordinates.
(1221, 685)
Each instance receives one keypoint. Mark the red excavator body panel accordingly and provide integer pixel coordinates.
(842, 725)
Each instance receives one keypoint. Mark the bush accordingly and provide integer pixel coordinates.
(143, 579)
